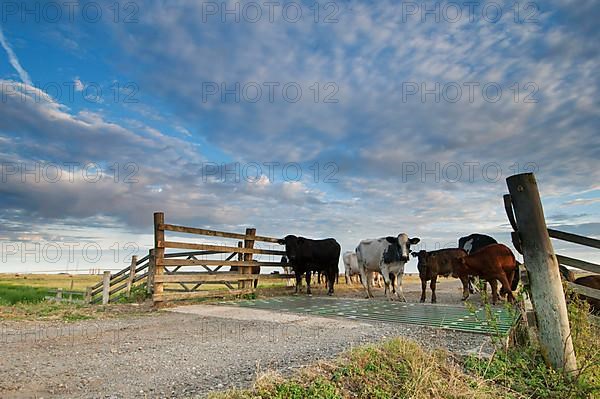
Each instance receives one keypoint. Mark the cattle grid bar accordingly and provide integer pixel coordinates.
(456, 318)
(242, 281)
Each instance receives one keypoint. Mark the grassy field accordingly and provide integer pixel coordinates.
(51, 281)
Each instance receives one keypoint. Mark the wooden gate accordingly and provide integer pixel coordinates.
(170, 281)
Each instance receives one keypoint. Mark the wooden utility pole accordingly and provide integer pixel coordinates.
(544, 278)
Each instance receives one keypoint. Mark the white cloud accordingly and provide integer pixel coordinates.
(79, 86)
(14, 61)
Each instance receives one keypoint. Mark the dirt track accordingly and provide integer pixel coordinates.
(189, 351)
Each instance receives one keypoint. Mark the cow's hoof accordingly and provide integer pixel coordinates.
(464, 298)
(330, 293)
(433, 301)
(422, 300)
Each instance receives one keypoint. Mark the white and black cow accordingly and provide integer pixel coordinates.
(351, 265)
(388, 256)
(306, 256)
(352, 270)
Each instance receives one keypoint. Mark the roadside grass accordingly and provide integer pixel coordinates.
(64, 311)
(521, 369)
(398, 368)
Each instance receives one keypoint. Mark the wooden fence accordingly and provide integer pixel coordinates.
(532, 238)
(168, 276)
(120, 282)
(562, 259)
(242, 278)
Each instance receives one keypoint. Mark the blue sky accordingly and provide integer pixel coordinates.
(172, 93)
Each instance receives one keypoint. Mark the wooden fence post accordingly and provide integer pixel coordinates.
(248, 243)
(71, 291)
(132, 267)
(151, 268)
(106, 287)
(544, 278)
(88, 295)
(159, 252)
(59, 292)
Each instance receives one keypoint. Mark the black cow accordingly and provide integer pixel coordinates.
(306, 255)
(475, 242)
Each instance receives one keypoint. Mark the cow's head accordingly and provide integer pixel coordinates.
(403, 243)
(292, 244)
(422, 256)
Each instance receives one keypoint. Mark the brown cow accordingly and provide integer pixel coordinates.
(591, 282)
(493, 263)
(436, 263)
(587, 281)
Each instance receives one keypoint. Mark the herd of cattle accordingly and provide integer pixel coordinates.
(477, 255)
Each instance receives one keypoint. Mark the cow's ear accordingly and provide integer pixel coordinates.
(391, 239)
(281, 241)
(301, 240)
(414, 241)
(414, 254)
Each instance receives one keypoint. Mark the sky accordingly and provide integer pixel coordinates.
(344, 119)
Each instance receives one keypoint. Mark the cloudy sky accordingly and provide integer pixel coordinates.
(345, 119)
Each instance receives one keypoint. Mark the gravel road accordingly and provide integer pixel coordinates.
(184, 352)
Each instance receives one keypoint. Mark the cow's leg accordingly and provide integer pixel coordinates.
(471, 280)
(423, 289)
(464, 279)
(506, 286)
(494, 285)
(366, 281)
(331, 280)
(433, 283)
(298, 281)
(398, 281)
(386, 280)
(393, 280)
(509, 277)
(308, 276)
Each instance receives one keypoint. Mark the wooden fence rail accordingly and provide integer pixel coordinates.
(242, 278)
(175, 275)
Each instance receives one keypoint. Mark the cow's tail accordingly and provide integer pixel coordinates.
(516, 276)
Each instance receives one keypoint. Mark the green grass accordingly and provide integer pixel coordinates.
(397, 368)
(522, 369)
(13, 294)
(51, 281)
